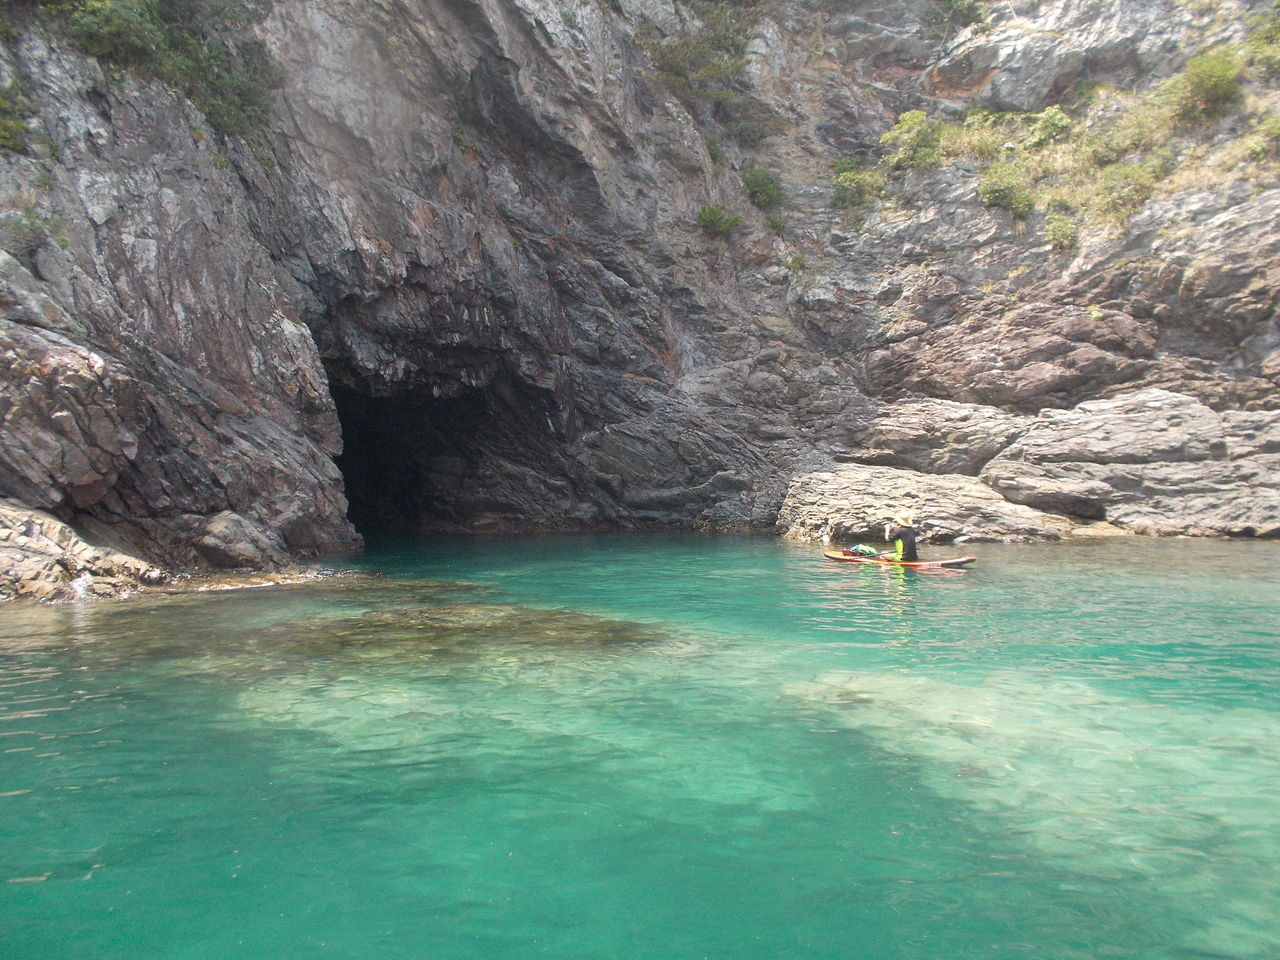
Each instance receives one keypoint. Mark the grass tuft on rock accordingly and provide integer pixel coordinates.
(1101, 158)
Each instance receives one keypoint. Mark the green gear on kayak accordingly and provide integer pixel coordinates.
(860, 549)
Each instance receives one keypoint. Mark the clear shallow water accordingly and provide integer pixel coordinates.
(655, 747)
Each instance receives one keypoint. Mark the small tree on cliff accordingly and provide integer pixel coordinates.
(718, 222)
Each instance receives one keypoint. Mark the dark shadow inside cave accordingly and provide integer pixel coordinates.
(413, 463)
(397, 451)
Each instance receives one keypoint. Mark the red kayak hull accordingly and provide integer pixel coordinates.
(909, 564)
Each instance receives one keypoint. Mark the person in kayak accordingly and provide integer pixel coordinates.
(902, 534)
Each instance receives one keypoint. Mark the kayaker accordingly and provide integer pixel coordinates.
(902, 534)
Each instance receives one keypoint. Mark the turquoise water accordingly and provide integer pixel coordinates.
(655, 747)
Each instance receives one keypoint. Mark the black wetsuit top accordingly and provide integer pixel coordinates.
(908, 537)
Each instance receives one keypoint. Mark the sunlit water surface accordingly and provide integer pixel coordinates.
(657, 747)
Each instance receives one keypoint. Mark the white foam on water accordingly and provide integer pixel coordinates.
(1181, 803)
(80, 586)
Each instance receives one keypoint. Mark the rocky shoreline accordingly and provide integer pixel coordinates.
(1151, 462)
(42, 558)
(473, 286)
(1148, 463)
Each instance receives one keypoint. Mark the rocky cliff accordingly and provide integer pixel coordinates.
(458, 278)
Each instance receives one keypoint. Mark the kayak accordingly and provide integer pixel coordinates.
(910, 564)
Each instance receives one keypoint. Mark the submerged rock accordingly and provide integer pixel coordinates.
(1074, 772)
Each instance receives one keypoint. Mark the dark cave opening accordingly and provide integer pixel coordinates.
(396, 453)
(414, 463)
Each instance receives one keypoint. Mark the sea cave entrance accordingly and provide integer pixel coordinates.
(390, 446)
(483, 459)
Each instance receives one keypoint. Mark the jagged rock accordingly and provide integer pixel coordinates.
(1028, 57)
(88, 440)
(230, 540)
(1028, 356)
(44, 559)
(1184, 263)
(1009, 69)
(155, 367)
(1150, 461)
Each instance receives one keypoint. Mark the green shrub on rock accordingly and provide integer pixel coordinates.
(126, 32)
(1262, 48)
(718, 222)
(196, 46)
(746, 134)
(855, 188)
(1061, 231)
(913, 141)
(763, 187)
(983, 135)
(1006, 184)
(1266, 137)
(703, 61)
(1049, 124)
(1210, 85)
(13, 119)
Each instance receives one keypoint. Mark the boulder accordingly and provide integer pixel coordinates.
(228, 540)
(854, 501)
(1147, 462)
(932, 436)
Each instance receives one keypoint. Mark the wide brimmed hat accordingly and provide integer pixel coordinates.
(904, 518)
